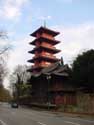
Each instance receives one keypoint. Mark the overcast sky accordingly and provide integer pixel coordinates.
(74, 19)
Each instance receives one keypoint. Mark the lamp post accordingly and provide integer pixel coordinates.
(48, 80)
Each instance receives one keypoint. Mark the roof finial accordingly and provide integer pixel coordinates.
(62, 62)
(44, 23)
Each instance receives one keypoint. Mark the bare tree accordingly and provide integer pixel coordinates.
(4, 49)
(3, 34)
(20, 73)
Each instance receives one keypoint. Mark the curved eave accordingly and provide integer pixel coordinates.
(45, 30)
(53, 42)
(61, 74)
(54, 51)
(43, 58)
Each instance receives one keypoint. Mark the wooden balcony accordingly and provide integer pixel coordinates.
(47, 36)
(39, 65)
(44, 55)
(47, 45)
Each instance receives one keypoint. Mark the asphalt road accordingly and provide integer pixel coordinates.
(23, 116)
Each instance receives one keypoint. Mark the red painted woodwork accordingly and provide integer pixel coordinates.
(45, 49)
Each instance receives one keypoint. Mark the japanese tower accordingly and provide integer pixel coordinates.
(44, 50)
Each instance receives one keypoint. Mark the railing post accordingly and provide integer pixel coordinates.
(48, 80)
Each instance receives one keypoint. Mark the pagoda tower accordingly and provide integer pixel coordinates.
(44, 50)
(49, 76)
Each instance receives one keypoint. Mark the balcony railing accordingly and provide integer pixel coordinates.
(40, 64)
(47, 36)
(45, 45)
(44, 55)
(48, 46)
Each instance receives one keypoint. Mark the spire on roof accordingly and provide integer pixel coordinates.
(62, 62)
(44, 23)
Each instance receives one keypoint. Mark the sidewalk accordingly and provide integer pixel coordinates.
(68, 114)
(73, 115)
(64, 114)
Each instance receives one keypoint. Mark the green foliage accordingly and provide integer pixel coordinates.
(4, 94)
(24, 89)
(83, 69)
(19, 82)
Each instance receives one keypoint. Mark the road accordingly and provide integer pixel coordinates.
(23, 116)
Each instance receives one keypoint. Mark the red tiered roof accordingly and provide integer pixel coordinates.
(46, 58)
(40, 39)
(52, 50)
(44, 30)
(44, 48)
